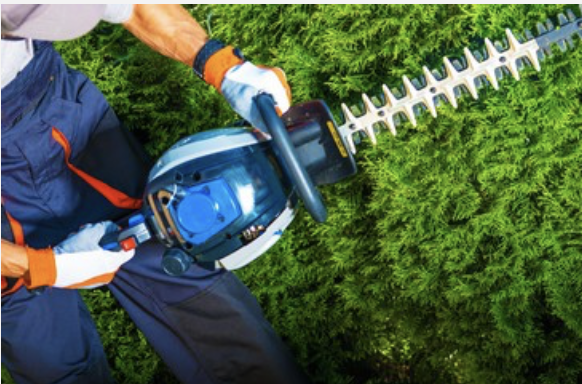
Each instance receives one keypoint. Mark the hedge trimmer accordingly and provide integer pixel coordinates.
(468, 73)
(221, 198)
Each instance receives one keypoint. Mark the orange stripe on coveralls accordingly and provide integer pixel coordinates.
(116, 197)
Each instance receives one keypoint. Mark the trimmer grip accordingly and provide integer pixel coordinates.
(288, 154)
(110, 242)
(130, 237)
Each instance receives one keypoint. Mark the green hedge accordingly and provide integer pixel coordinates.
(455, 254)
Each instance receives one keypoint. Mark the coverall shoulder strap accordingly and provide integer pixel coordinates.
(115, 196)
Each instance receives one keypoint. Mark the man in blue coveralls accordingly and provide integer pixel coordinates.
(66, 162)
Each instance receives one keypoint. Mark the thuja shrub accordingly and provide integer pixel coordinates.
(455, 254)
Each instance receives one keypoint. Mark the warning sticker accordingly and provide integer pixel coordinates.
(336, 138)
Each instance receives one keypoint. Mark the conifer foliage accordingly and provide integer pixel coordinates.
(453, 256)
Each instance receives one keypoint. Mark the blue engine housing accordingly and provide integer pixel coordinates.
(223, 197)
(206, 209)
(210, 192)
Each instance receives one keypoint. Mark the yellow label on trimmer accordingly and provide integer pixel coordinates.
(336, 138)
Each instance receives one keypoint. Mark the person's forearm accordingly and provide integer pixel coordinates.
(14, 260)
(169, 29)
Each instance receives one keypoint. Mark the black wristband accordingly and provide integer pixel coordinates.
(210, 48)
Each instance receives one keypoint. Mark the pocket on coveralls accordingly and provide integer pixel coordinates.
(45, 156)
(53, 181)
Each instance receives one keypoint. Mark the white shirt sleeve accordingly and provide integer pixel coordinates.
(117, 13)
(16, 54)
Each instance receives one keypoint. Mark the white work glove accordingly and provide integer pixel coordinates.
(240, 81)
(243, 82)
(78, 261)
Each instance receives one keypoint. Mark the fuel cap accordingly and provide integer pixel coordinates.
(198, 212)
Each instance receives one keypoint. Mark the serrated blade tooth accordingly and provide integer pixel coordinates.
(451, 70)
(409, 112)
(430, 79)
(562, 45)
(349, 117)
(453, 74)
(571, 15)
(473, 89)
(562, 19)
(534, 59)
(389, 96)
(470, 84)
(472, 65)
(472, 62)
(451, 97)
(411, 90)
(541, 29)
(491, 50)
(352, 123)
(371, 134)
(514, 44)
(370, 108)
(431, 84)
(429, 102)
(492, 77)
(512, 66)
(549, 25)
(529, 35)
(411, 94)
(389, 120)
(351, 143)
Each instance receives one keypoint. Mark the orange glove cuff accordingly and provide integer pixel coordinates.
(42, 269)
(218, 64)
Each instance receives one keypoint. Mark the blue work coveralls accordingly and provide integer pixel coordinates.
(67, 161)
